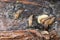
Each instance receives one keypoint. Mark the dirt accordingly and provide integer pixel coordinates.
(14, 15)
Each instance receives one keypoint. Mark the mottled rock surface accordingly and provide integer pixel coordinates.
(14, 20)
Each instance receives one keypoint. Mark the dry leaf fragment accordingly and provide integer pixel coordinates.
(52, 20)
(17, 14)
(43, 20)
(46, 20)
(30, 19)
(45, 34)
(47, 23)
(40, 17)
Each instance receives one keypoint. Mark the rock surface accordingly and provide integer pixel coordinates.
(16, 16)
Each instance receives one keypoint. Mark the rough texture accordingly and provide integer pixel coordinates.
(16, 22)
(27, 35)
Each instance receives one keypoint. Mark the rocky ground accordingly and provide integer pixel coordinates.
(18, 20)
